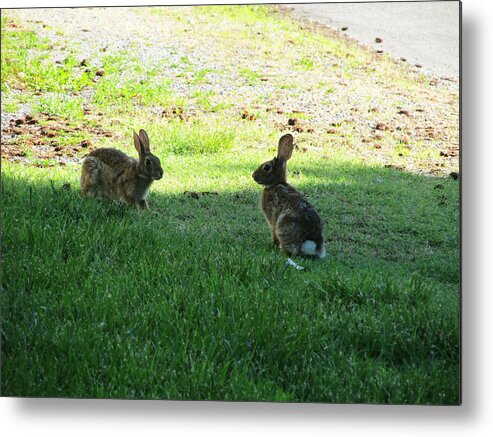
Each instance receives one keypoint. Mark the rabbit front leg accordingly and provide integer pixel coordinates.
(142, 204)
(275, 240)
(272, 227)
(130, 200)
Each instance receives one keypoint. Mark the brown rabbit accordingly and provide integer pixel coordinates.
(294, 223)
(111, 174)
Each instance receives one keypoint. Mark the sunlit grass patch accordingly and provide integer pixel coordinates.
(195, 138)
(244, 14)
(124, 93)
(27, 64)
(61, 105)
(200, 76)
(304, 62)
(252, 77)
(17, 54)
(209, 101)
(10, 103)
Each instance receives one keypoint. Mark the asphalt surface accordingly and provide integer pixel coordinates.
(424, 33)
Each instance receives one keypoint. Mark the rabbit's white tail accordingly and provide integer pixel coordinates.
(309, 247)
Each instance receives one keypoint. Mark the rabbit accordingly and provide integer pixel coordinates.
(294, 223)
(110, 173)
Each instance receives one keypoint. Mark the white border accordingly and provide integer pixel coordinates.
(20, 417)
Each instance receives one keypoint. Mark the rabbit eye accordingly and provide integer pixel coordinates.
(148, 162)
(267, 167)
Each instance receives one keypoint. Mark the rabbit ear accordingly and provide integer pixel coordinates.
(138, 144)
(144, 139)
(285, 148)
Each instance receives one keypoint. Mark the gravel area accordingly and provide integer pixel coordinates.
(374, 107)
(424, 33)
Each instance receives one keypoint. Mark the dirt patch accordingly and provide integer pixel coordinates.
(299, 126)
(12, 25)
(454, 175)
(295, 125)
(37, 140)
(197, 194)
(176, 112)
(246, 115)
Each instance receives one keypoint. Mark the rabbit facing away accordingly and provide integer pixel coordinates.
(111, 174)
(295, 225)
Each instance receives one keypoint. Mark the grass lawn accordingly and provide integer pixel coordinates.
(189, 300)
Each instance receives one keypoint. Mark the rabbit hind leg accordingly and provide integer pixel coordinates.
(90, 180)
(288, 235)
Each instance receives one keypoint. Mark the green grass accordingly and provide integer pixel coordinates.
(208, 101)
(61, 105)
(192, 139)
(201, 76)
(10, 105)
(189, 300)
(305, 63)
(251, 77)
(26, 62)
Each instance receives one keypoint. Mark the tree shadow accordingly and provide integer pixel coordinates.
(373, 216)
(195, 279)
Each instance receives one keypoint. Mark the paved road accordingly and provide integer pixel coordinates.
(425, 33)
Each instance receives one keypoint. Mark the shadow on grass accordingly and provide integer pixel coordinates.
(190, 301)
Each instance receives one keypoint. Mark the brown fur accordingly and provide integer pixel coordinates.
(110, 173)
(291, 218)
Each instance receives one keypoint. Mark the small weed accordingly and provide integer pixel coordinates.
(305, 63)
(200, 76)
(60, 105)
(252, 77)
